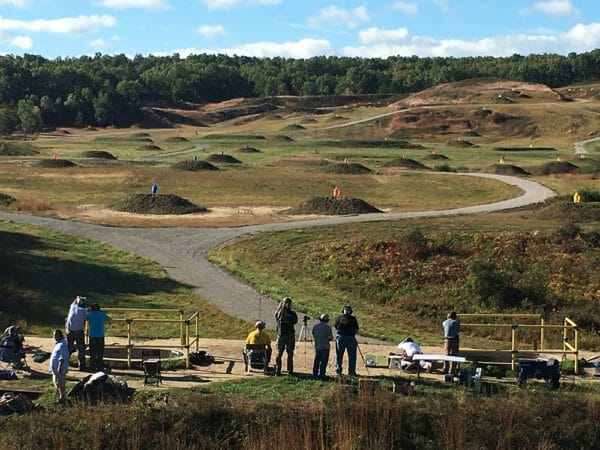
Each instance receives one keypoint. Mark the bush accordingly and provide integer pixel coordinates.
(588, 195)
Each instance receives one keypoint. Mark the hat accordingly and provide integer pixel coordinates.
(347, 309)
(80, 300)
(324, 318)
(260, 324)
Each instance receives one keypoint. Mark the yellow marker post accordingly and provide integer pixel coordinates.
(576, 197)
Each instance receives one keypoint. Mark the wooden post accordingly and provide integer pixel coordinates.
(129, 343)
(187, 346)
(541, 334)
(512, 346)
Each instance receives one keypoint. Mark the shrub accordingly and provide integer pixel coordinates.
(588, 195)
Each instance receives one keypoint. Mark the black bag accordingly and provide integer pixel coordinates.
(201, 358)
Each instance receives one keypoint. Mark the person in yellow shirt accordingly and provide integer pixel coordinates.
(259, 336)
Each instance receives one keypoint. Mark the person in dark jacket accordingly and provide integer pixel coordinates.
(286, 318)
(346, 326)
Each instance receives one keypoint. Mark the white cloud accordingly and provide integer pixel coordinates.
(128, 4)
(98, 43)
(333, 15)
(211, 31)
(23, 42)
(442, 4)
(304, 48)
(406, 7)
(580, 38)
(372, 36)
(557, 8)
(227, 4)
(65, 25)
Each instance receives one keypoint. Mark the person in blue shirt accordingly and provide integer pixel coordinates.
(154, 190)
(96, 320)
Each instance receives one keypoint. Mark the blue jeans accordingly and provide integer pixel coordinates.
(320, 364)
(343, 343)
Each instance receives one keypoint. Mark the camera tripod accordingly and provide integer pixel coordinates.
(302, 336)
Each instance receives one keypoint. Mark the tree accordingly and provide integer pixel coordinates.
(29, 116)
(8, 121)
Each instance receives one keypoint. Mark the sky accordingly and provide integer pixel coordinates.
(298, 28)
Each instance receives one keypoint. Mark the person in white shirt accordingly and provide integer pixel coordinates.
(59, 365)
(409, 349)
(75, 329)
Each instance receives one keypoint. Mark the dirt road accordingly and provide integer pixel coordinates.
(181, 251)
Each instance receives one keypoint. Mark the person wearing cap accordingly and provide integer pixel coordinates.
(259, 336)
(286, 318)
(75, 329)
(451, 327)
(322, 334)
(346, 327)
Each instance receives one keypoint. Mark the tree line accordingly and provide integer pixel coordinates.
(36, 92)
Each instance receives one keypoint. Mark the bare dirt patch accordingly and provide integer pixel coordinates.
(558, 167)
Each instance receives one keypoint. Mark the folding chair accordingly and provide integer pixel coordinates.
(151, 364)
(256, 356)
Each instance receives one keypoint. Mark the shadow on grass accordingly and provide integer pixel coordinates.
(37, 288)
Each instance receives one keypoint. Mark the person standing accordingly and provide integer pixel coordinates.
(451, 327)
(59, 365)
(322, 335)
(286, 318)
(75, 329)
(346, 327)
(96, 320)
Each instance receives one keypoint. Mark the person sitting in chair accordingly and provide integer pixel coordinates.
(259, 336)
(409, 349)
(12, 344)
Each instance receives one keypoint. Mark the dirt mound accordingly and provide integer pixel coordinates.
(177, 139)
(55, 163)
(293, 127)
(149, 146)
(222, 158)
(6, 200)
(435, 157)
(506, 169)
(333, 206)
(194, 166)
(309, 120)
(99, 154)
(463, 143)
(569, 211)
(282, 138)
(248, 149)
(347, 168)
(161, 204)
(406, 163)
(558, 167)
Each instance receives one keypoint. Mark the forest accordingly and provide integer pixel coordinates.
(38, 93)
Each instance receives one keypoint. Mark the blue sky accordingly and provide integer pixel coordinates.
(299, 28)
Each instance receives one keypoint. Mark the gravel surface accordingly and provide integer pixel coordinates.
(181, 251)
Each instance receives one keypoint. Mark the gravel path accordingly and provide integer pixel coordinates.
(181, 251)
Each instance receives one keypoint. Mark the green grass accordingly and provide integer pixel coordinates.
(17, 149)
(369, 266)
(44, 270)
